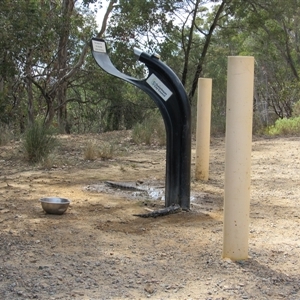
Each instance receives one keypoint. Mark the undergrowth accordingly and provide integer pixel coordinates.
(285, 126)
(103, 150)
(5, 135)
(38, 142)
(151, 130)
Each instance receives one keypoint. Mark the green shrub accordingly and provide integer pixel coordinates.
(286, 127)
(38, 142)
(151, 130)
(5, 135)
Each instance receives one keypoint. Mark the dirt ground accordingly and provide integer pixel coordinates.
(99, 250)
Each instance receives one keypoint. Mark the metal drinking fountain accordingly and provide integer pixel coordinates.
(167, 91)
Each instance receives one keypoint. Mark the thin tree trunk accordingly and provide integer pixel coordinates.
(187, 49)
(205, 49)
(67, 10)
(30, 108)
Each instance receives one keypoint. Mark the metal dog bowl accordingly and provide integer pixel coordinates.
(54, 205)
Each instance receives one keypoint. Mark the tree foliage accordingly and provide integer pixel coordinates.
(47, 71)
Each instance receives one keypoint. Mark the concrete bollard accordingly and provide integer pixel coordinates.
(203, 128)
(238, 143)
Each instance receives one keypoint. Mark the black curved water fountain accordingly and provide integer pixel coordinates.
(166, 90)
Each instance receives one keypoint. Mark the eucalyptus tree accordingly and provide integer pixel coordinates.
(44, 47)
(132, 23)
(198, 36)
(180, 30)
(74, 29)
(17, 23)
(281, 72)
(193, 35)
(270, 30)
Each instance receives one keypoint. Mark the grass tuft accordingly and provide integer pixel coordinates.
(105, 150)
(38, 142)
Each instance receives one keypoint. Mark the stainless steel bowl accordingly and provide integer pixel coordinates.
(54, 205)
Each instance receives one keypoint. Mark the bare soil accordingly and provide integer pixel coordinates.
(99, 250)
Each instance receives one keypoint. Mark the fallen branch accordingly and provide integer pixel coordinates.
(161, 212)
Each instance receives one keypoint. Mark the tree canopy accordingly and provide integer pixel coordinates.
(47, 72)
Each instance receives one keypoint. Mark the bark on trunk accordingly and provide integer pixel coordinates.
(30, 108)
(67, 10)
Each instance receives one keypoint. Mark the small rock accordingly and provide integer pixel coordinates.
(149, 289)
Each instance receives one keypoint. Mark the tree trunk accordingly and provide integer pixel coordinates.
(205, 49)
(1, 84)
(67, 10)
(30, 108)
(187, 48)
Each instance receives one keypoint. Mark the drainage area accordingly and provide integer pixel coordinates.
(153, 190)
